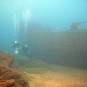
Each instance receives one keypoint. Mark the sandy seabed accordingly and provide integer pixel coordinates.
(56, 76)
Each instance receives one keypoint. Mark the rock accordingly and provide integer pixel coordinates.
(8, 83)
(8, 75)
(5, 58)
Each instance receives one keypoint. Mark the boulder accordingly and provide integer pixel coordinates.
(8, 83)
(9, 76)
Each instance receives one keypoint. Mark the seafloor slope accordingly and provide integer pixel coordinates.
(41, 74)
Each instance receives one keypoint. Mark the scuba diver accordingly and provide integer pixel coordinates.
(25, 50)
(22, 49)
(16, 45)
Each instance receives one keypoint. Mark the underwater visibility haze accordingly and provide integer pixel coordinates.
(46, 35)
